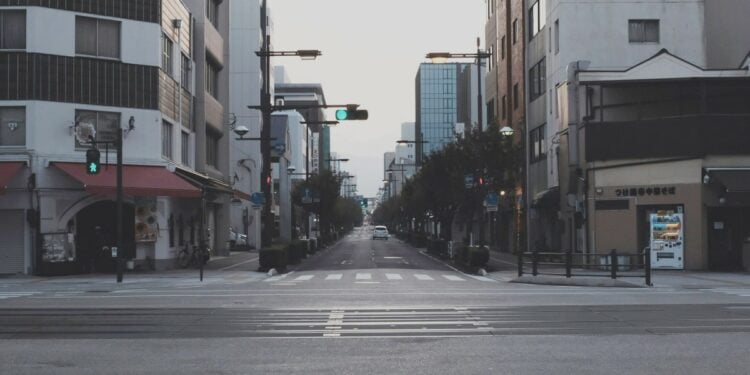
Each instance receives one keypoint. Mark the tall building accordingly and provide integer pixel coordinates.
(568, 43)
(128, 69)
(505, 101)
(445, 97)
(245, 160)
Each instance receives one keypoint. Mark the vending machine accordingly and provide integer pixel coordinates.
(667, 240)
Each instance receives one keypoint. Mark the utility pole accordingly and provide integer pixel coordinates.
(265, 145)
(118, 206)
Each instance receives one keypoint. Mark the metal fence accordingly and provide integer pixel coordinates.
(570, 264)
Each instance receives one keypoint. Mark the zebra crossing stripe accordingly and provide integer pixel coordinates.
(393, 276)
(423, 277)
(482, 278)
(304, 278)
(453, 278)
(334, 276)
(364, 276)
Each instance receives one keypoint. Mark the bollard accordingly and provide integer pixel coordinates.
(534, 262)
(613, 263)
(647, 266)
(569, 263)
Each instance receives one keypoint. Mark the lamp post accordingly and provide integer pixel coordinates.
(265, 55)
(508, 132)
(441, 57)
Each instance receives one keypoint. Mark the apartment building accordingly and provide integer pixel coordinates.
(109, 67)
(567, 42)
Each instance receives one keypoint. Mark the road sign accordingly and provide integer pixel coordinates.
(491, 202)
(469, 181)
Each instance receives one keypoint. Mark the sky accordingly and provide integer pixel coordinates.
(371, 53)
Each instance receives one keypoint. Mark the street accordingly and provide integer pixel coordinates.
(378, 307)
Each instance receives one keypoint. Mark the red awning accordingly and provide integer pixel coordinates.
(241, 195)
(137, 181)
(8, 170)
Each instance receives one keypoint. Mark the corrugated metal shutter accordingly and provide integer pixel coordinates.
(12, 243)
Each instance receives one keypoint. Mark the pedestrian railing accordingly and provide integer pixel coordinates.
(569, 264)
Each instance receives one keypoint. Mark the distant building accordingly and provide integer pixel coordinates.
(445, 95)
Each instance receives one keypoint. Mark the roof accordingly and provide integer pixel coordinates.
(662, 66)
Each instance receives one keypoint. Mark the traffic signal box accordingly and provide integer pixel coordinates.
(92, 161)
(351, 114)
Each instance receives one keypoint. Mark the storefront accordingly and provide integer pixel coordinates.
(687, 215)
(78, 227)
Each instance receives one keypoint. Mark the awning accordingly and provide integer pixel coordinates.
(137, 181)
(242, 195)
(734, 180)
(204, 182)
(549, 198)
(8, 170)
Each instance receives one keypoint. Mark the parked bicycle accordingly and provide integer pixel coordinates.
(199, 255)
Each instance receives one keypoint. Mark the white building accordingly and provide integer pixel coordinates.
(245, 81)
(605, 35)
(110, 71)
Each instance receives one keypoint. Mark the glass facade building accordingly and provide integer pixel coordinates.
(438, 105)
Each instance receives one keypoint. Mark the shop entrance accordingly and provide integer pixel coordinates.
(96, 228)
(728, 230)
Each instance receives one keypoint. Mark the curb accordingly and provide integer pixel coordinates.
(587, 282)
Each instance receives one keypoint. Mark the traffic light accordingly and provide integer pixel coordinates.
(92, 161)
(351, 113)
(363, 203)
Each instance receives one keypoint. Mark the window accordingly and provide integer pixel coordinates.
(12, 126)
(185, 67)
(557, 36)
(105, 124)
(212, 12)
(13, 29)
(491, 59)
(537, 16)
(212, 76)
(538, 145)
(212, 148)
(515, 96)
(537, 80)
(503, 107)
(97, 37)
(166, 139)
(515, 30)
(643, 31)
(185, 148)
(167, 48)
(502, 48)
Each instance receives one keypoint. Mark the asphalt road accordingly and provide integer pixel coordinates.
(365, 306)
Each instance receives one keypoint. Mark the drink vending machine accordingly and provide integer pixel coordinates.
(667, 240)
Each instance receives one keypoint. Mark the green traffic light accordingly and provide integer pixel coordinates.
(93, 168)
(342, 114)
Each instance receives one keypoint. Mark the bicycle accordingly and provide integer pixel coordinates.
(197, 257)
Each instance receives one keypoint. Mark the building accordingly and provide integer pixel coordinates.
(245, 80)
(569, 104)
(125, 69)
(505, 38)
(389, 181)
(445, 97)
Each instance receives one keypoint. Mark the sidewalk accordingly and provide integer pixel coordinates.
(503, 266)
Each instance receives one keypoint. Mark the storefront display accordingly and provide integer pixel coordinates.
(667, 240)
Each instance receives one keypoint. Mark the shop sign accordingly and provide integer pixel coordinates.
(646, 191)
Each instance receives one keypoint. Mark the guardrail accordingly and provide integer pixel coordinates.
(571, 264)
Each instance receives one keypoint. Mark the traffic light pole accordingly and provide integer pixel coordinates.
(118, 209)
(265, 146)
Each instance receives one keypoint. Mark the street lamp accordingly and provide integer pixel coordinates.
(442, 57)
(266, 108)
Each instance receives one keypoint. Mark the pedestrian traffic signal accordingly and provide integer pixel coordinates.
(351, 113)
(92, 161)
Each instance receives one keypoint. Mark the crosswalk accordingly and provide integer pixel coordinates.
(366, 277)
(741, 292)
(8, 295)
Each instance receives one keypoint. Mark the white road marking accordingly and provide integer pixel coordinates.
(7, 295)
(423, 277)
(482, 278)
(334, 276)
(393, 276)
(453, 278)
(304, 278)
(364, 276)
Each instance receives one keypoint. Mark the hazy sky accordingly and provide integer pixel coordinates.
(371, 52)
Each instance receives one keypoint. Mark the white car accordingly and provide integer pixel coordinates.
(380, 231)
(236, 239)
